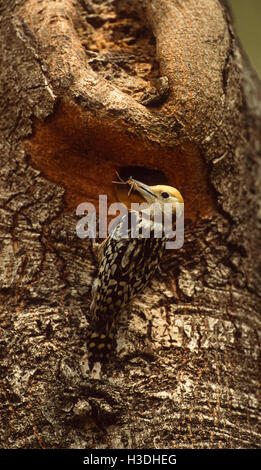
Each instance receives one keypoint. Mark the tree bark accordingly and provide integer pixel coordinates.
(186, 372)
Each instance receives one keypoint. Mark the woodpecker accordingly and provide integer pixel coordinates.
(126, 265)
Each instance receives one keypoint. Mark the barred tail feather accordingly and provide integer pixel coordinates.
(100, 345)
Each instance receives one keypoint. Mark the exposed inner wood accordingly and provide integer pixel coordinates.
(81, 153)
(112, 59)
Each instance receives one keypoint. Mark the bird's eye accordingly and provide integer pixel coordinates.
(165, 195)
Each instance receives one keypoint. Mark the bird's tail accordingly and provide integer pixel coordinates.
(100, 345)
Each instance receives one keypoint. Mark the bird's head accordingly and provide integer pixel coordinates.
(159, 194)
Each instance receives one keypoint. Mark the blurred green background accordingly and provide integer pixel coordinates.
(247, 19)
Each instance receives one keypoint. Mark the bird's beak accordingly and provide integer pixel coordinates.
(144, 190)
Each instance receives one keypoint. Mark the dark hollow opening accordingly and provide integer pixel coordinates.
(142, 173)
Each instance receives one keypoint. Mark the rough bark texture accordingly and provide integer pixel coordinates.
(187, 368)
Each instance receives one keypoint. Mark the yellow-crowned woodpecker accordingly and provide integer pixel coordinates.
(127, 261)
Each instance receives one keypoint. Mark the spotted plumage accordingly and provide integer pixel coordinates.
(127, 265)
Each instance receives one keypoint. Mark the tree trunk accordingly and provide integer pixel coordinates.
(79, 99)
